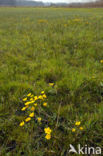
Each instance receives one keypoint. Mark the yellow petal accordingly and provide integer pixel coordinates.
(27, 119)
(32, 114)
(21, 124)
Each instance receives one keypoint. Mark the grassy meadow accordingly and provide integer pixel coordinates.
(59, 52)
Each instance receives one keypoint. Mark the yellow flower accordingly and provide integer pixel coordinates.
(40, 97)
(21, 124)
(32, 95)
(48, 136)
(27, 119)
(101, 61)
(47, 130)
(36, 98)
(39, 119)
(45, 104)
(31, 114)
(32, 108)
(27, 103)
(73, 129)
(51, 84)
(24, 108)
(81, 128)
(44, 96)
(29, 94)
(35, 104)
(24, 99)
(31, 99)
(42, 92)
(77, 123)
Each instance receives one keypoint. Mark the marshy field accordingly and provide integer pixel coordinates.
(51, 80)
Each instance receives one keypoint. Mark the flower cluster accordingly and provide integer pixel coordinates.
(31, 102)
(77, 126)
(48, 133)
(33, 107)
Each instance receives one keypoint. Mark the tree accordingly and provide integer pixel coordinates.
(8, 2)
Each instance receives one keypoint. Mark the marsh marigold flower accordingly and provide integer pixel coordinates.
(31, 114)
(81, 128)
(36, 98)
(31, 99)
(32, 108)
(27, 103)
(101, 61)
(27, 119)
(73, 129)
(44, 96)
(40, 97)
(29, 94)
(51, 84)
(24, 108)
(22, 123)
(35, 104)
(39, 119)
(24, 99)
(42, 92)
(77, 123)
(44, 104)
(48, 136)
(47, 130)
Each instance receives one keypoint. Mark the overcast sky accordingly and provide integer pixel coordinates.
(67, 1)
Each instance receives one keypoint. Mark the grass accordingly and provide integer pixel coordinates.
(39, 46)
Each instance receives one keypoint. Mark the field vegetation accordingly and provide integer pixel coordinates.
(51, 80)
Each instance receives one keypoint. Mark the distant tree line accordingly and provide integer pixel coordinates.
(20, 3)
(98, 3)
(7, 2)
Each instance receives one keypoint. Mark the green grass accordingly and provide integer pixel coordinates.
(43, 45)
